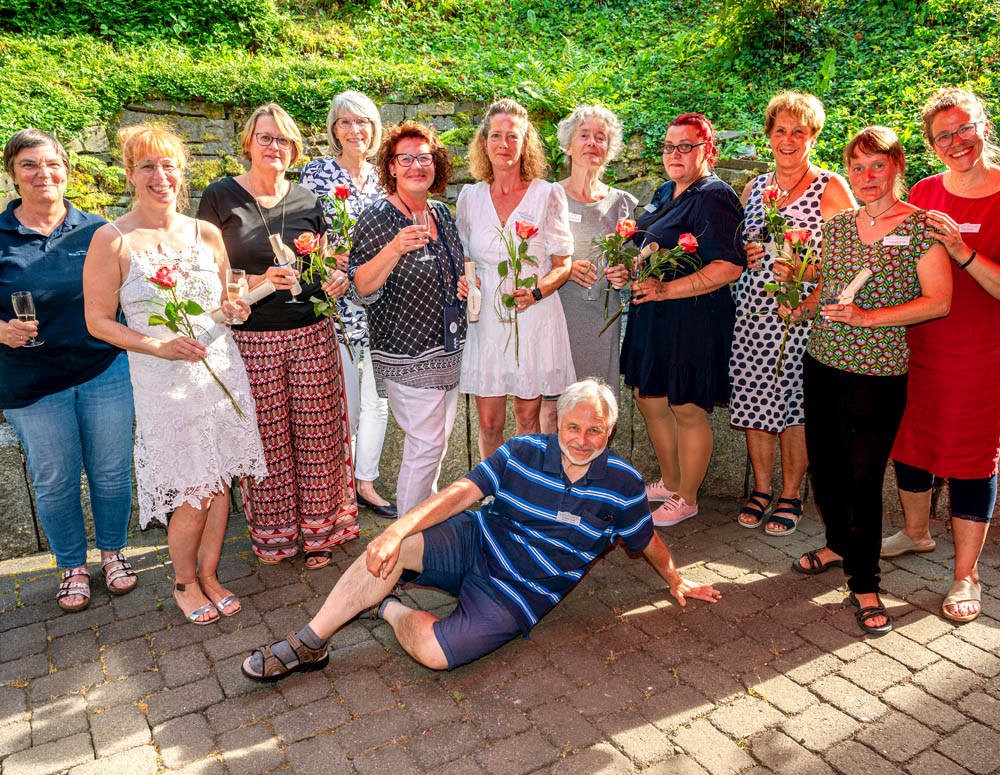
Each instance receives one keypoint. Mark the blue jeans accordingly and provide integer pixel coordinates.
(89, 425)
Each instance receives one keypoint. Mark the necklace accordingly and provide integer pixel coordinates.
(267, 228)
(879, 215)
(774, 180)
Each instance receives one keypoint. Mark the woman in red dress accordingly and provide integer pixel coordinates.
(951, 427)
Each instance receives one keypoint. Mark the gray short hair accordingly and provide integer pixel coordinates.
(590, 389)
(24, 139)
(360, 105)
(569, 124)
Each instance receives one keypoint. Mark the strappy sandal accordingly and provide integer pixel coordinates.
(862, 615)
(225, 602)
(194, 615)
(816, 565)
(962, 591)
(794, 508)
(325, 558)
(69, 588)
(376, 611)
(274, 669)
(117, 567)
(753, 509)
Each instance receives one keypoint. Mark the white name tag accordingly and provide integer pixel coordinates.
(969, 228)
(566, 518)
(650, 208)
(895, 239)
(574, 217)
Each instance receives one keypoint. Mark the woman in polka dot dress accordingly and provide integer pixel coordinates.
(767, 405)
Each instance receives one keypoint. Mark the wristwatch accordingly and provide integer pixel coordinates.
(536, 293)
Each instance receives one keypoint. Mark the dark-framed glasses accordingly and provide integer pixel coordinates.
(668, 149)
(356, 123)
(964, 132)
(264, 139)
(406, 159)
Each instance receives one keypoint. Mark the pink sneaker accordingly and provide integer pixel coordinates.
(674, 511)
(657, 492)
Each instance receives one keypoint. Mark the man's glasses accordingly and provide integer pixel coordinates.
(668, 149)
(406, 159)
(264, 140)
(964, 132)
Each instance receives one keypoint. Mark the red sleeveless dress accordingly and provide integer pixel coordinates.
(951, 426)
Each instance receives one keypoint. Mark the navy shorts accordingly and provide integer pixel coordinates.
(454, 561)
(971, 499)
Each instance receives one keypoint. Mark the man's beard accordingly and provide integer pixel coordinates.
(565, 450)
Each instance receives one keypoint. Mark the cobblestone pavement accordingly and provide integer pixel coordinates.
(618, 679)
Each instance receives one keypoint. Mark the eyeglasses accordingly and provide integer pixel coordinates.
(964, 132)
(357, 123)
(264, 140)
(148, 166)
(668, 149)
(406, 159)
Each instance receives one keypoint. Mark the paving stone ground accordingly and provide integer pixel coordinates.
(618, 679)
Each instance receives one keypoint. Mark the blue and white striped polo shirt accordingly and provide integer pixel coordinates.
(541, 532)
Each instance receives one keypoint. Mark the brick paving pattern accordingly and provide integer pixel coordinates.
(618, 679)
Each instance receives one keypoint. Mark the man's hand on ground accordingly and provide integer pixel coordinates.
(683, 589)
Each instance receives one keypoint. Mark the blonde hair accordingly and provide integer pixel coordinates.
(879, 139)
(360, 105)
(153, 139)
(532, 155)
(285, 123)
(804, 106)
(953, 97)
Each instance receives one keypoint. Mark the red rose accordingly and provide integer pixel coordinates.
(525, 230)
(772, 194)
(797, 236)
(342, 192)
(625, 228)
(306, 242)
(164, 277)
(688, 243)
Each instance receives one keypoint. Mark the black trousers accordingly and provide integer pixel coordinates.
(851, 422)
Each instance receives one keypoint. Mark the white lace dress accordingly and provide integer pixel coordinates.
(544, 365)
(189, 440)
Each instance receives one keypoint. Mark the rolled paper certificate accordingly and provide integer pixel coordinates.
(284, 256)
(649, 249)
(475, 298)
(847, 295)
(255, 294)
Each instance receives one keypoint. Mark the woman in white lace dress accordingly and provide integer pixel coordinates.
(506, 156)
(192, 435)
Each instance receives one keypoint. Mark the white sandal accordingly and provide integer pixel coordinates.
(962, 591)
(900, 543)
(69, 588)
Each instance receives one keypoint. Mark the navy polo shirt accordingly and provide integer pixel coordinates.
(52, 269)
(542, 532)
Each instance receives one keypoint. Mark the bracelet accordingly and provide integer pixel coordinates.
(971, 259)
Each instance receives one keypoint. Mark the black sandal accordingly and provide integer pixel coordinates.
(794, 508)
(815, 564)
(326, 557)
(862, 615)
(753, 509)
(274, 669)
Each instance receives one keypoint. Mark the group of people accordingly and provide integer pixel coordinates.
(293, 403)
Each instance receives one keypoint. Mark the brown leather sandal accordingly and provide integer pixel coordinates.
(69, 588)
(117, 567)
(274, 669)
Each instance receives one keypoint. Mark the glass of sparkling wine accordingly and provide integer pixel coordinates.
(590, 294)
(829, 294)
(236, 287)
(755, 235)
(24, 308)
(422, 219)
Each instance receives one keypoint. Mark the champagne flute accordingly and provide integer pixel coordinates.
(236, 287)
(755, 235)
(422, 219)
(24, 308)
(829, 294)
(590, 294)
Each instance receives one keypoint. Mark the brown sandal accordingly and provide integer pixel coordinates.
(306, 660)
(117, 567)
(69, 588)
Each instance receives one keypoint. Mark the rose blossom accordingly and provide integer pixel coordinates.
(625, 228)
(342, 192)
(797, 236)
(306, 242)
(525, 230)
(688, 243)
(164, 277)
(772, 194)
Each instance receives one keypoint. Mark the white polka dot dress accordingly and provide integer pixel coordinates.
(760, 399)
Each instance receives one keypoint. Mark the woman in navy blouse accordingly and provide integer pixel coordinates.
(679, 331)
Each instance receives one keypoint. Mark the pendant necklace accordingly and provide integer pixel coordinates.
(879, 215)
(774, 180)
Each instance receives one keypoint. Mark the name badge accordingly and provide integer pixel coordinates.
(895, 239)
(969, 228)
(650, 208)
(574, 217)
(567, 519)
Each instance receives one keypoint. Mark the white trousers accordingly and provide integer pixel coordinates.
(367, 413)
(426, 417)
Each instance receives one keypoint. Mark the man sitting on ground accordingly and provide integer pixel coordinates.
(558, 502)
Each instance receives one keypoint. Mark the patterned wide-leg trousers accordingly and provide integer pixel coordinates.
(298, 386)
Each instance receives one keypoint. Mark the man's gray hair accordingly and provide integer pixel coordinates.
(566, 128)
(590, 389)
(360, 105)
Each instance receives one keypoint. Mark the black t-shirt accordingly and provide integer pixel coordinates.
(230, 207)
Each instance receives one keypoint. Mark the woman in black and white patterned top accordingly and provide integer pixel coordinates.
(354, 130)
(769, 407)
(410, 279)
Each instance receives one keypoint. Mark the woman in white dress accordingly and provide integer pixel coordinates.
(506, 156)
(190, 439)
